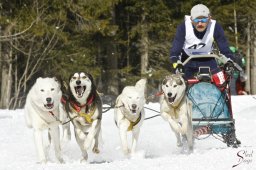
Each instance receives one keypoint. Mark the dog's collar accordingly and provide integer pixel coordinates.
(78, 107)
(90, 100)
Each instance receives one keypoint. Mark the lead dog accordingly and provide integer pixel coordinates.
(42, 113)
(84, 108)
(177, 109)
(129, 113)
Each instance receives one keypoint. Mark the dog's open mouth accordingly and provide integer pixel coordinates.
(80, 90)
(49, 105)
(133, 111)
(172, 99)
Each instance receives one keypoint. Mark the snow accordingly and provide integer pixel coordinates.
(156, 147)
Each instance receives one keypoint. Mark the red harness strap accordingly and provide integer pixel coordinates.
(63, 101)
(78, 107)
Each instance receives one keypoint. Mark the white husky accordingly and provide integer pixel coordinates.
(177, 109)
(42, 113)
(129, 113)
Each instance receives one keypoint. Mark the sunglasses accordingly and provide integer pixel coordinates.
(203, 20)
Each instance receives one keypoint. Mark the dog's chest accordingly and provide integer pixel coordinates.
(83, 115)
(49, 117)
(129, 115)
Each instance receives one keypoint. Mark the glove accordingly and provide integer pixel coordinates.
(178, 67)
(229, 67)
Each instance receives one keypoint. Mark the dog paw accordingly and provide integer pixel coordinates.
(126, 151)
(96, 150)
(61, 160)
(179, 144)
(83, 160)
(44, 161)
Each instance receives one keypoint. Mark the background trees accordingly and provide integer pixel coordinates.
(117, 41)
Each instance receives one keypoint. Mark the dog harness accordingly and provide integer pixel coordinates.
(89, 110)
(132, 124)
(86, 115)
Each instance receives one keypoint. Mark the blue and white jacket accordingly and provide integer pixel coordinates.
(189, 41)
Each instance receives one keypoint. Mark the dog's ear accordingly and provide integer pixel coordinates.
(179, 81)
(89, 76)
(164, 81)
(70, 77)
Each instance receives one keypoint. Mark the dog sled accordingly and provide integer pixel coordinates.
(211, 105)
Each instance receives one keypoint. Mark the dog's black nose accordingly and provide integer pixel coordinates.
(48, 99)
(78, 82)
(134, 106)
(169, 94)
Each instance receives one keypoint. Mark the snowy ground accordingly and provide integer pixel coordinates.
(156, 149)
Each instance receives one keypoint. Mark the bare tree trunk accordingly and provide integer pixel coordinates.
(253, 61)
(144, 47)
(248, 54)
(235, 19)
(113, 80)
(6, 81)
(144, 52)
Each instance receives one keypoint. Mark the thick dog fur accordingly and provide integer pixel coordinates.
(129, 113)
(84, 108)
(177, 109)
(42, 113)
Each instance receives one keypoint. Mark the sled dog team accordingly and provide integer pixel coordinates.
(47, 108)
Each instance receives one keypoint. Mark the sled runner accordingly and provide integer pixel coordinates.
(211, 109)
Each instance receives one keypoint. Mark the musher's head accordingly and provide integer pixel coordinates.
(200, 17)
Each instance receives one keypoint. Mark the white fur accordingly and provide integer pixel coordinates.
(38, 116)
(177, 110)
(131, 95)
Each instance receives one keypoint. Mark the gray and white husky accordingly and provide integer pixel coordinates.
(177, 109)
(84, 108)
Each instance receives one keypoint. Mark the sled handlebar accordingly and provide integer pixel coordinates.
(222, 58)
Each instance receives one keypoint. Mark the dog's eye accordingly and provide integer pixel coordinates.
(52, 89)
(166, 85)
(42, 90)
(74, 77)
(84, 77)
(175, 85)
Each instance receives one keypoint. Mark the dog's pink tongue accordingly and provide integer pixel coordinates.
(49, 105)
(79, 90)
(171, 99)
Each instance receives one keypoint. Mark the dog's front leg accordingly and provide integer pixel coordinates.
(95, 148)
(174, 126)
(66, 132)
(80, 138)
(66, 136)
(55, 135)
(190, 127)
(123, 126)
(91, 133)
(39, 145)
(135, 136)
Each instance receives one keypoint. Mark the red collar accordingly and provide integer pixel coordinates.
(78, 107)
